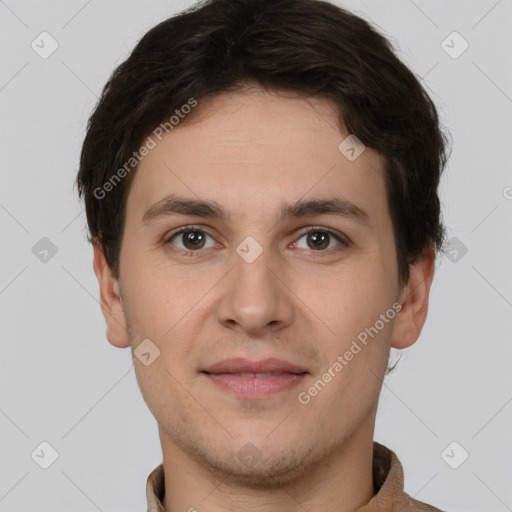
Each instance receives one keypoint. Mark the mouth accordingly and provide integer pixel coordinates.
(254, 379)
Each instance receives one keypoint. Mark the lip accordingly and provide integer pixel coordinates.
(242, 365)
(239, 376)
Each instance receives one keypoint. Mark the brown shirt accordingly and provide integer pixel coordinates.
(388, 480)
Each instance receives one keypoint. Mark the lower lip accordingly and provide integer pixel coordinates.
(255, 387)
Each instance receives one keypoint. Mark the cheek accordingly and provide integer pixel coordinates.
(166, 307)
(348, 302)
(158, 296)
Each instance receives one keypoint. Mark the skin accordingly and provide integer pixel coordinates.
(251, 151)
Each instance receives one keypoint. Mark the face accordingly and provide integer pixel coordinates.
(259, 277)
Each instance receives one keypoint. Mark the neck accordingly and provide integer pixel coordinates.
(340, 481)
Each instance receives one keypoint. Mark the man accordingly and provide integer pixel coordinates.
(260, 181)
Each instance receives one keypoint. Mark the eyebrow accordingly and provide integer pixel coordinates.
(173, 205)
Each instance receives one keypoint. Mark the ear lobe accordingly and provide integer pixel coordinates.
(414, 299)
(110, 301)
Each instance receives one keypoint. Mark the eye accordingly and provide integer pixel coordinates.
(192, 238)
(319, 239)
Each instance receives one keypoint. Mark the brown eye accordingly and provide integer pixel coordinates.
(320, 239)
(191, 239)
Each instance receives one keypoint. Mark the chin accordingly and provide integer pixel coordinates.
(255, 469)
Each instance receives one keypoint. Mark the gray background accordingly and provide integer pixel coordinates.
(63, 383)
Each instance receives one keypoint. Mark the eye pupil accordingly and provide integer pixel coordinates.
(193, 237)
(318, 241)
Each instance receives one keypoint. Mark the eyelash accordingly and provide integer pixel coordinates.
(313, 229)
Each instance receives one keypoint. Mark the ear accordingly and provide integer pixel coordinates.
(110, 300)
(414, 299)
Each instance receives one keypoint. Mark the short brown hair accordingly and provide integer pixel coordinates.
(309, 46)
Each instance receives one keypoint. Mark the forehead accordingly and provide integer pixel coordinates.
(255, 147)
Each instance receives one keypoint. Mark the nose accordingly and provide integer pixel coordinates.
(256, 297)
